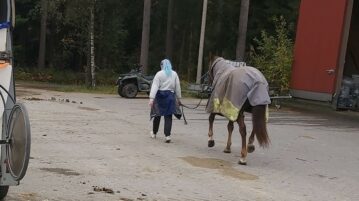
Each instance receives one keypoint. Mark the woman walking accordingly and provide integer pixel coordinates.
(164, 98)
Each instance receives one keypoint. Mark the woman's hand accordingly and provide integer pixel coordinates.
(150, 103)
(179, 102)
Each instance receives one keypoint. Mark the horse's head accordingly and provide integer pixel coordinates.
(210, 68)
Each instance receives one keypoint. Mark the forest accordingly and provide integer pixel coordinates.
(57, 40)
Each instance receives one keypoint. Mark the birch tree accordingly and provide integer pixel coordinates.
(92, 45)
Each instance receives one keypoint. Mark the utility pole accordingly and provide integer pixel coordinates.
(42, 45)
(201, 43)
(242, 29)
(169, 34)
(145, 35)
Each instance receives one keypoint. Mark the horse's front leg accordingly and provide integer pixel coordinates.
(210, 130)
(229, 140)
(243, 132)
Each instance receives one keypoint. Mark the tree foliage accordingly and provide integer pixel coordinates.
(274, 55)
(118, 28)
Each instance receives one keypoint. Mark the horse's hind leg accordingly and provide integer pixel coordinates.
(243, 132)
(229, 141)
(210, 130)
(251, 147)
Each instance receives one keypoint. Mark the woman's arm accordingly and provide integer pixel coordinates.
(155, 86)
(178, 87)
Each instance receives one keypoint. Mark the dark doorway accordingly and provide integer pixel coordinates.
(349, 91)
(351, 66)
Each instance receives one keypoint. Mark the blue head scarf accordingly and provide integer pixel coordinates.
(166, 66)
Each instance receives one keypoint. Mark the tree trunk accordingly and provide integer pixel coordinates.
(145, 35)
(87, 69)
(92, 47)
(169, 36)
(42, 45)
(181, 55)
(201, 43)
(189, 64)
(242, 31)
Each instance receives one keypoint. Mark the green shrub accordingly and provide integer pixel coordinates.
(274, 55)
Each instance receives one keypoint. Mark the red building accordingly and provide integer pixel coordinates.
(326, 54)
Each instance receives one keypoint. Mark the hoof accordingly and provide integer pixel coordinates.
(242, 161)
(251, 148)
(227, 150)
(210, 143)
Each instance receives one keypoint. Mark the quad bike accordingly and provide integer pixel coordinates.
(14, 121)
(131, 83)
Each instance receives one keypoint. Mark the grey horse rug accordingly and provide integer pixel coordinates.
(232, 87)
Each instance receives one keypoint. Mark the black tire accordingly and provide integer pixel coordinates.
(130, 90)
(3, 191)
(120, 91)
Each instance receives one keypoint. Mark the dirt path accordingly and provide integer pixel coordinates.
(97, 147)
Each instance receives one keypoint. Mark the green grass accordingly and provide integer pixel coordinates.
(103, 89)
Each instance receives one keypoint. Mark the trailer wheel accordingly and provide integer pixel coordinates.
(19, 135)
(130, 90)
(3, 191)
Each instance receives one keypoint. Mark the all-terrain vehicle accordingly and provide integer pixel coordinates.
(129, 84)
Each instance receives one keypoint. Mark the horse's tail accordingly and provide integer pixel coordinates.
(260, 125)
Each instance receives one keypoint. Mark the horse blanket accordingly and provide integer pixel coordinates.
(233, 86)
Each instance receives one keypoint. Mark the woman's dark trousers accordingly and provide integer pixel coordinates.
(168, 124)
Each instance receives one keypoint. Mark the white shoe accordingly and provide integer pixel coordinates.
(168, 139)
(152, 135)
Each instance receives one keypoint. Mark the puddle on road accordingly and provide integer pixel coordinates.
(63, 171)
(224, 166)
(308, 137)
(88, 108)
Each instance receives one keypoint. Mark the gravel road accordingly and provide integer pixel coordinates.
(97, 147)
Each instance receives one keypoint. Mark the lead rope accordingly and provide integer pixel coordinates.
(184, 117)
(192, 108)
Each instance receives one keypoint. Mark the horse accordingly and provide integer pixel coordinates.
(235, 91)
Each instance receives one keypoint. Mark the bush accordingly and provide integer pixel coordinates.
(274, 55)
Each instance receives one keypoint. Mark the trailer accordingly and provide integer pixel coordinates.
(14, 121)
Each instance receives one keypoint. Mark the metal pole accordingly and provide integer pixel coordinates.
(201, 42)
